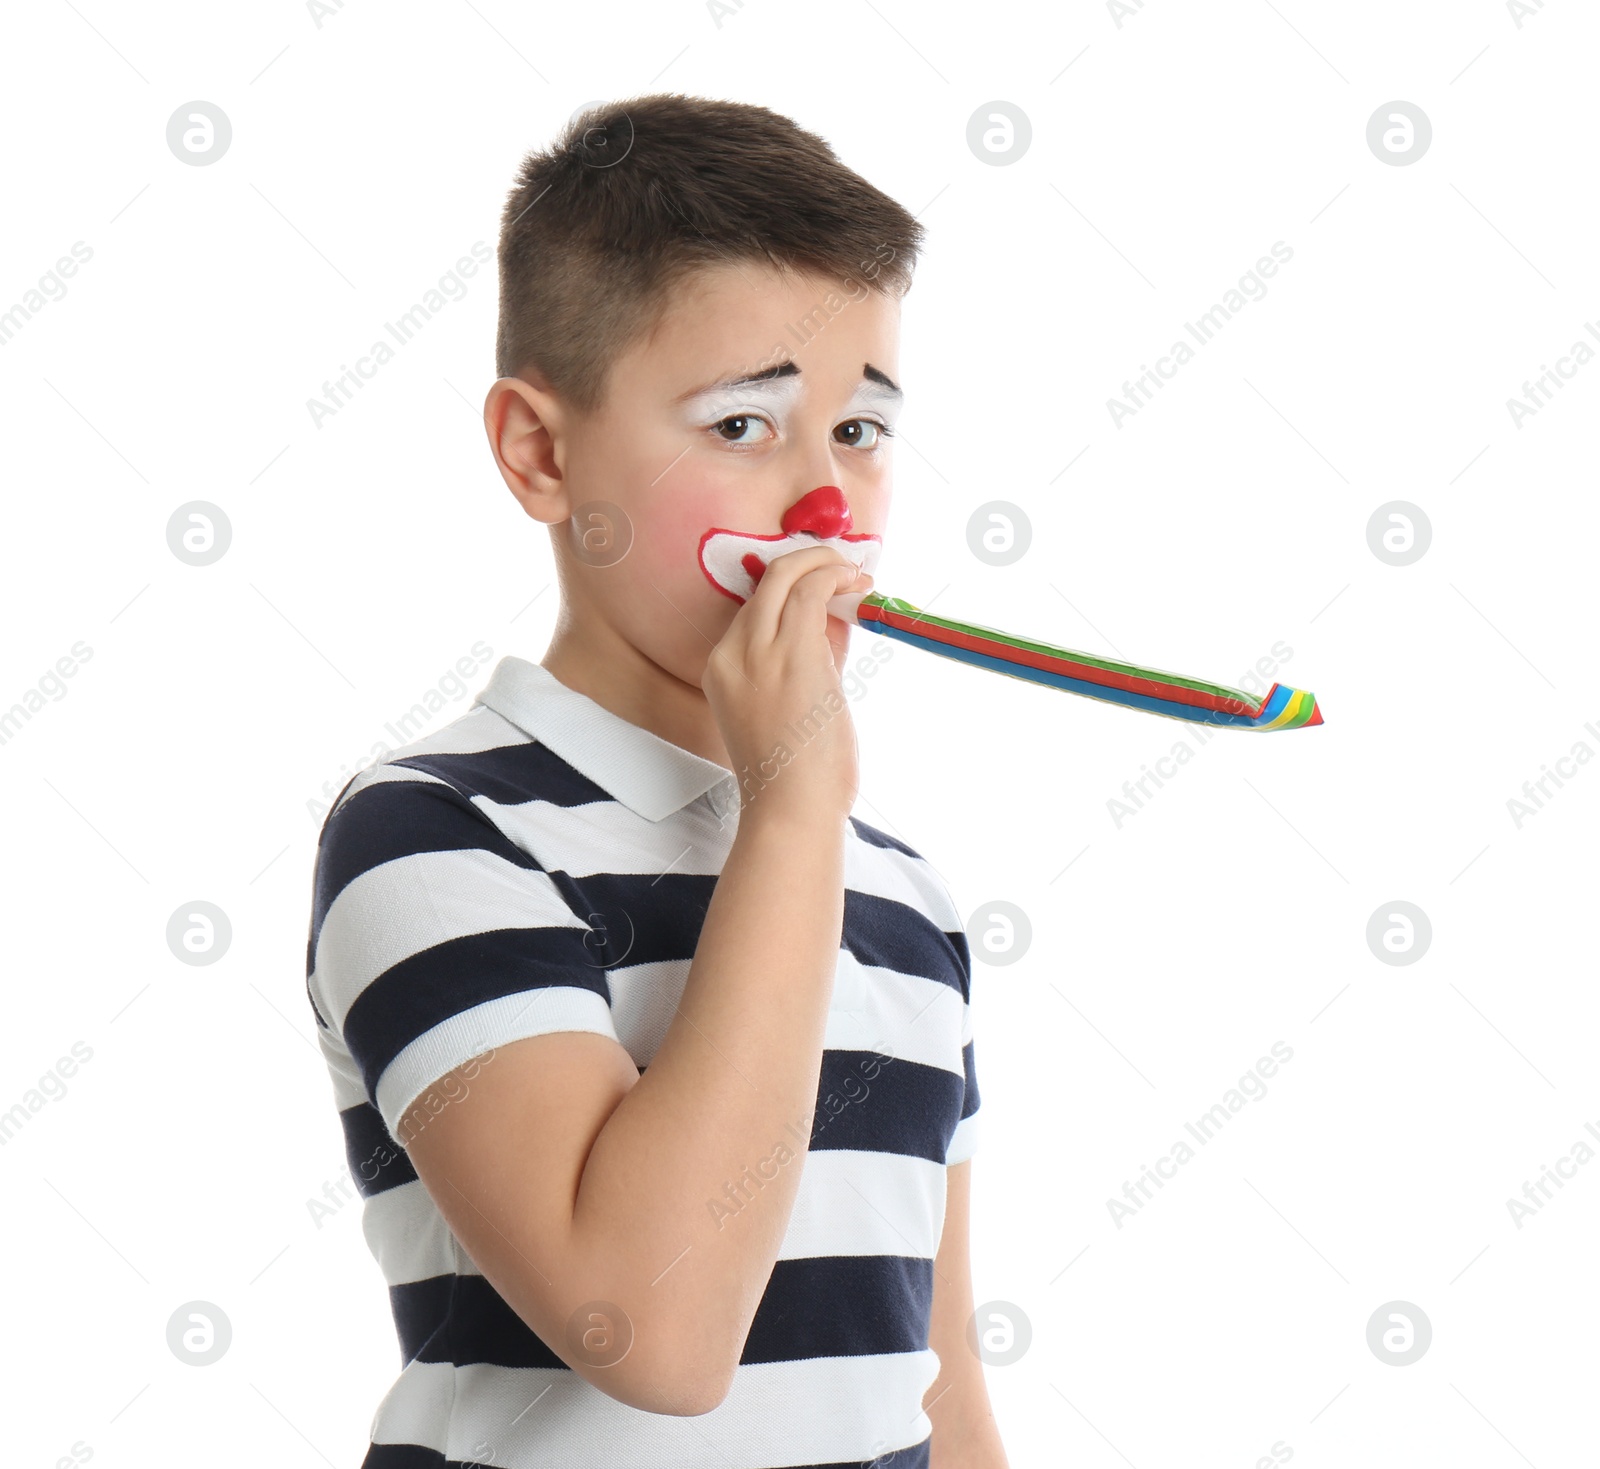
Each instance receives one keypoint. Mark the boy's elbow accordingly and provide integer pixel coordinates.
(685, 1396)
(668, 1367)
(671, 1379)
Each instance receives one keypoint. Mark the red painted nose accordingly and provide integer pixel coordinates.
(821, 512)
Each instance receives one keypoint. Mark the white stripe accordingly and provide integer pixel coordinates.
(886, 873)
(859, 1203)
(606, 837)
(644, 998)
(409, 1238)
(848, 1203)
(964, 1140)
(905, 1016)
(416, 1410)
(900, 1015)
(482, 1028)
(821, 1410)
(348, 1088)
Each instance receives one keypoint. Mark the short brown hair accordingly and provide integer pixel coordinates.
(637, 194)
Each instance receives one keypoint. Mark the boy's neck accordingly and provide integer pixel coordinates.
(605, 667)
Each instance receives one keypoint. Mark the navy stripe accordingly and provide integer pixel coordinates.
(958, 942)
(875, 838)
(409, 998)
(414, 1456)
(880, 1104)
(463, 1319)
(657, 918)
(406, 1456)
(969, 1059)
(842, 1306)
(892, 935)
(826, 1306)
(861, 1105)
(377, 1162)
(510, 775)
(640, 918)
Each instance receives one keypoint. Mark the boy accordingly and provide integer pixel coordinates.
(654, 1063)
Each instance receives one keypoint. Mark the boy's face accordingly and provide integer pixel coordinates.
(687, 481)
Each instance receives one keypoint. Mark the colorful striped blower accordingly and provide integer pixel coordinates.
(1113, 682)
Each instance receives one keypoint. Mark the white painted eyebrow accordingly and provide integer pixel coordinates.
(874, 383)
(877, 393)
(773, 390)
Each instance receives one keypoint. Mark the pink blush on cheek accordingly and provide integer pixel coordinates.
(678, 527)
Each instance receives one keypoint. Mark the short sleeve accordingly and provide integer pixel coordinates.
(435, 938)
(964, 1140)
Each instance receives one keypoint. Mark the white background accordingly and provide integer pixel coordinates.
(1168, 953)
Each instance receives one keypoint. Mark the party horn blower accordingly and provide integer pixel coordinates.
(1151, 689)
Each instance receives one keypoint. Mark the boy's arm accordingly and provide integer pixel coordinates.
(578, 1185)
(965, 1435)
(597, 1200)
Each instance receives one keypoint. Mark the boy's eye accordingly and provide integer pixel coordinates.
(734, 428)
(862, 433)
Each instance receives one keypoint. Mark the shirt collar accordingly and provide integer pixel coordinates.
(649, 775)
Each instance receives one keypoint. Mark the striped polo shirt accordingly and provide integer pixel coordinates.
(541, 864)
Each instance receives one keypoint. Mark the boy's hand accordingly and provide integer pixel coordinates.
(773, 681)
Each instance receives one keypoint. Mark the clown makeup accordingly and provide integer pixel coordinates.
(747, 414)
(734, 561)
(749, 411)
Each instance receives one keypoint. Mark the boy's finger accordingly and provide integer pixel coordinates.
(765, 607)
(805, 609)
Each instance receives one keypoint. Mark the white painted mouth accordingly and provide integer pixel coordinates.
(725, 556)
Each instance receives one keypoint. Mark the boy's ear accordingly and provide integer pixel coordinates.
(525, 421)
